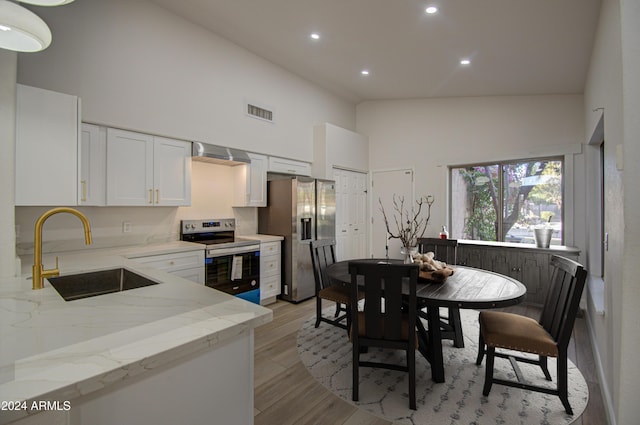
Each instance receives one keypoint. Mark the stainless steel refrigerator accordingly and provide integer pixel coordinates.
(301, 209)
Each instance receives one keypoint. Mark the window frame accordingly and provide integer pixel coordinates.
(561, 158)
(604, 237)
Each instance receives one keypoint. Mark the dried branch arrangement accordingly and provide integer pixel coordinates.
(409, 225)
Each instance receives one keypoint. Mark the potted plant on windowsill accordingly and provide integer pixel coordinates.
(543, 234)
(409, 226)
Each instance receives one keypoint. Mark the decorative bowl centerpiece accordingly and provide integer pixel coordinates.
(432, 269)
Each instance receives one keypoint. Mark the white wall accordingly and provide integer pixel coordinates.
(8, 64)
(629, 372)
(139, 67)
(604, 90)
(431, 134)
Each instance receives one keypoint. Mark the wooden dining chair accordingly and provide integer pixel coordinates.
(390, 324)
(322, 255)
(547, 337)
(446, 250)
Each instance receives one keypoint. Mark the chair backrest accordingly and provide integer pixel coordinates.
(397, 284)
(443, 249)
(322, 255)
(563, 299)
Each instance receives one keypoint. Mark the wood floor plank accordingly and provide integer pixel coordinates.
(265, 371)
(330, 410)
(282, 387)
(584, 352)
(594, 414)
(362, 417)
(295, 404)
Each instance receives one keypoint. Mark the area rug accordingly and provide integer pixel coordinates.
(326, 352)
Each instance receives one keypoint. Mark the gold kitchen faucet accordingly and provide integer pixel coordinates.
(39, 273)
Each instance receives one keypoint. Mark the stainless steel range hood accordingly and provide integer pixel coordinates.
(218, 154)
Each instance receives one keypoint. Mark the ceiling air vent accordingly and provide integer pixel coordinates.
(259, 112)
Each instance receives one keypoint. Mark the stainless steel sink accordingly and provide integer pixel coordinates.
(92, 284)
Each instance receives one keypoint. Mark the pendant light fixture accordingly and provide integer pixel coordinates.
(46, 2)
(22, 30)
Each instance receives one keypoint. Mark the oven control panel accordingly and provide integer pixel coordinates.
(209, 225)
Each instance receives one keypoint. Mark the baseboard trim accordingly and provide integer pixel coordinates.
(604, 388)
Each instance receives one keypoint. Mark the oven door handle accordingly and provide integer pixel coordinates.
(222, 252)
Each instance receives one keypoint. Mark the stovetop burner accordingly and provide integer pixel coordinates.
(215, 244)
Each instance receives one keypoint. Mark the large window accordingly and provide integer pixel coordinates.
(506, 201)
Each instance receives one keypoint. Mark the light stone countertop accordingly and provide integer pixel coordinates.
(261, 238)
(52, 349)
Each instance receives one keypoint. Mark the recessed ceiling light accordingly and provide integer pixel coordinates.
(465, 62)
(315, 36)
(431, 10)
(364, 72)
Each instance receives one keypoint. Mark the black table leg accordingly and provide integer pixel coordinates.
(423, 337)
(435, 344)
(430, 342)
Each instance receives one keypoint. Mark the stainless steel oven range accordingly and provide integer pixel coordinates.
(231, 266)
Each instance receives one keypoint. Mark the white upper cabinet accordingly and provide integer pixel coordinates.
(171, 172)
(46, 161)
(251, 182)
(144, 170)
(289, 166)
(93, 165)
(129, 168)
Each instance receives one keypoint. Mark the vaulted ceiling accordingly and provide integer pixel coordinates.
(515, 47)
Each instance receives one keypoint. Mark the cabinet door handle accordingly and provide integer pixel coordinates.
(84, 190)
(150, 196)
(157, 196)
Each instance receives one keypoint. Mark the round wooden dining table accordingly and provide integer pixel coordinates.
(467, 287)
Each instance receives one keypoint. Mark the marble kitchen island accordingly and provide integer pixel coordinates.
(175, 352)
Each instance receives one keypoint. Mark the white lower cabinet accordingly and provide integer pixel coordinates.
(270, 271)
(188, 265)
(204, 387)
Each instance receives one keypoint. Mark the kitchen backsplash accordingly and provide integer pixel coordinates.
(211, 197)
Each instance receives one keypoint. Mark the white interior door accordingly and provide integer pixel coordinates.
(351, 214)
(359, 228)
(342, 214)
(384, 185)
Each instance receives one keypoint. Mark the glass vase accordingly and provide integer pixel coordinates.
(407, 253)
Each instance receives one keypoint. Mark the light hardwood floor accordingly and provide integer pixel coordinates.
(285, 392)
